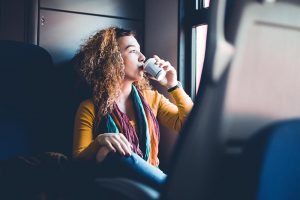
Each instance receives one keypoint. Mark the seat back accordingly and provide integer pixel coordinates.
(271, 163)
(263, 77)
(257, 88)
(195, 166)
(26, 99)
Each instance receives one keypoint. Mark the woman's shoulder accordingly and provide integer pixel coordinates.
(87, 105)
(150, 92)
(151, 95)
(87, 102)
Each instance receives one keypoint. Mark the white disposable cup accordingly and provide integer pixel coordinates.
(154, 70)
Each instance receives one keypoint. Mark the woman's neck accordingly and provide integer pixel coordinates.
(126, 88)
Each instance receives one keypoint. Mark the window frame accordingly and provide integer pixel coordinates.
(189, 18)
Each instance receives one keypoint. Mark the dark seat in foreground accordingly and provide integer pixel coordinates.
(26, 102)
(37, 102)
(30, 122)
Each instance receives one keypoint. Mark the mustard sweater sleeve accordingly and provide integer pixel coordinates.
(83, 145)
(174, 115)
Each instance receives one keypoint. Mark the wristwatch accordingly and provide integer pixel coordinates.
(179, 85)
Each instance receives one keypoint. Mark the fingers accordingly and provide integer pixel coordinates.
(102, 153)
(115, 143)
(120, 146)
(124, 139)
(109, 145)
(159, 61)
(166, 65)
(156, 57)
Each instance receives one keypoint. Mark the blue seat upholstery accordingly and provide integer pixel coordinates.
(26, 99)
(271, 163)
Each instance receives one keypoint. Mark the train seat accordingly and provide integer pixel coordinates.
(26, 99)
(270, 163)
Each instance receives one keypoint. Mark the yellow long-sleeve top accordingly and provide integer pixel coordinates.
(168, 114)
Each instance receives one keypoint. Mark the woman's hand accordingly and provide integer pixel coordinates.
(170, 79)
(112, 142)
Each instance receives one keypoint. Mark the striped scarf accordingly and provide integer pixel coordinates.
(145, 140)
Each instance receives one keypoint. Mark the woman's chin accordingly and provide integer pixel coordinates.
(140, 75)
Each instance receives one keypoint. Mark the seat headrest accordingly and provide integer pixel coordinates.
(16, 55)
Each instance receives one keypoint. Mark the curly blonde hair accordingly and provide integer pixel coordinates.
(101, 66)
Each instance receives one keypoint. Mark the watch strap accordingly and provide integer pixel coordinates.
(175, 87)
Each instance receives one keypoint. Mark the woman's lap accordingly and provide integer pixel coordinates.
(132, 167)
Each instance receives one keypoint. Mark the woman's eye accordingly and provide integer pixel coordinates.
(135, 51)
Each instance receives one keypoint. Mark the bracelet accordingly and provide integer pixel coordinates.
(175, 87)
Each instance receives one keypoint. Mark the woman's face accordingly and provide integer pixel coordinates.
(132, 57)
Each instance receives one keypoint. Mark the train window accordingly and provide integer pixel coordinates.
(197, 4)
(192, 42)
(206, 3)
(201, 4)
(198, 53)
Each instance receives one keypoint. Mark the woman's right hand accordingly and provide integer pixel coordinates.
(112, 142)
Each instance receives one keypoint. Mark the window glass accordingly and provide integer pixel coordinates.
(200, 33)
(194, 19)
(206, 3)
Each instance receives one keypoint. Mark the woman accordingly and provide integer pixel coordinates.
(118, 126)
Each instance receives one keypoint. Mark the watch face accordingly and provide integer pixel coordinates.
(179, 84)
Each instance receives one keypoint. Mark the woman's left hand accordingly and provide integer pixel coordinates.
(170, 79)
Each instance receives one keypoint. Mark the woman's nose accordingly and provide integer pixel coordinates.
(142, 57)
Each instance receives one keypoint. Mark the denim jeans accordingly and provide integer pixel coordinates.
(132, 167)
